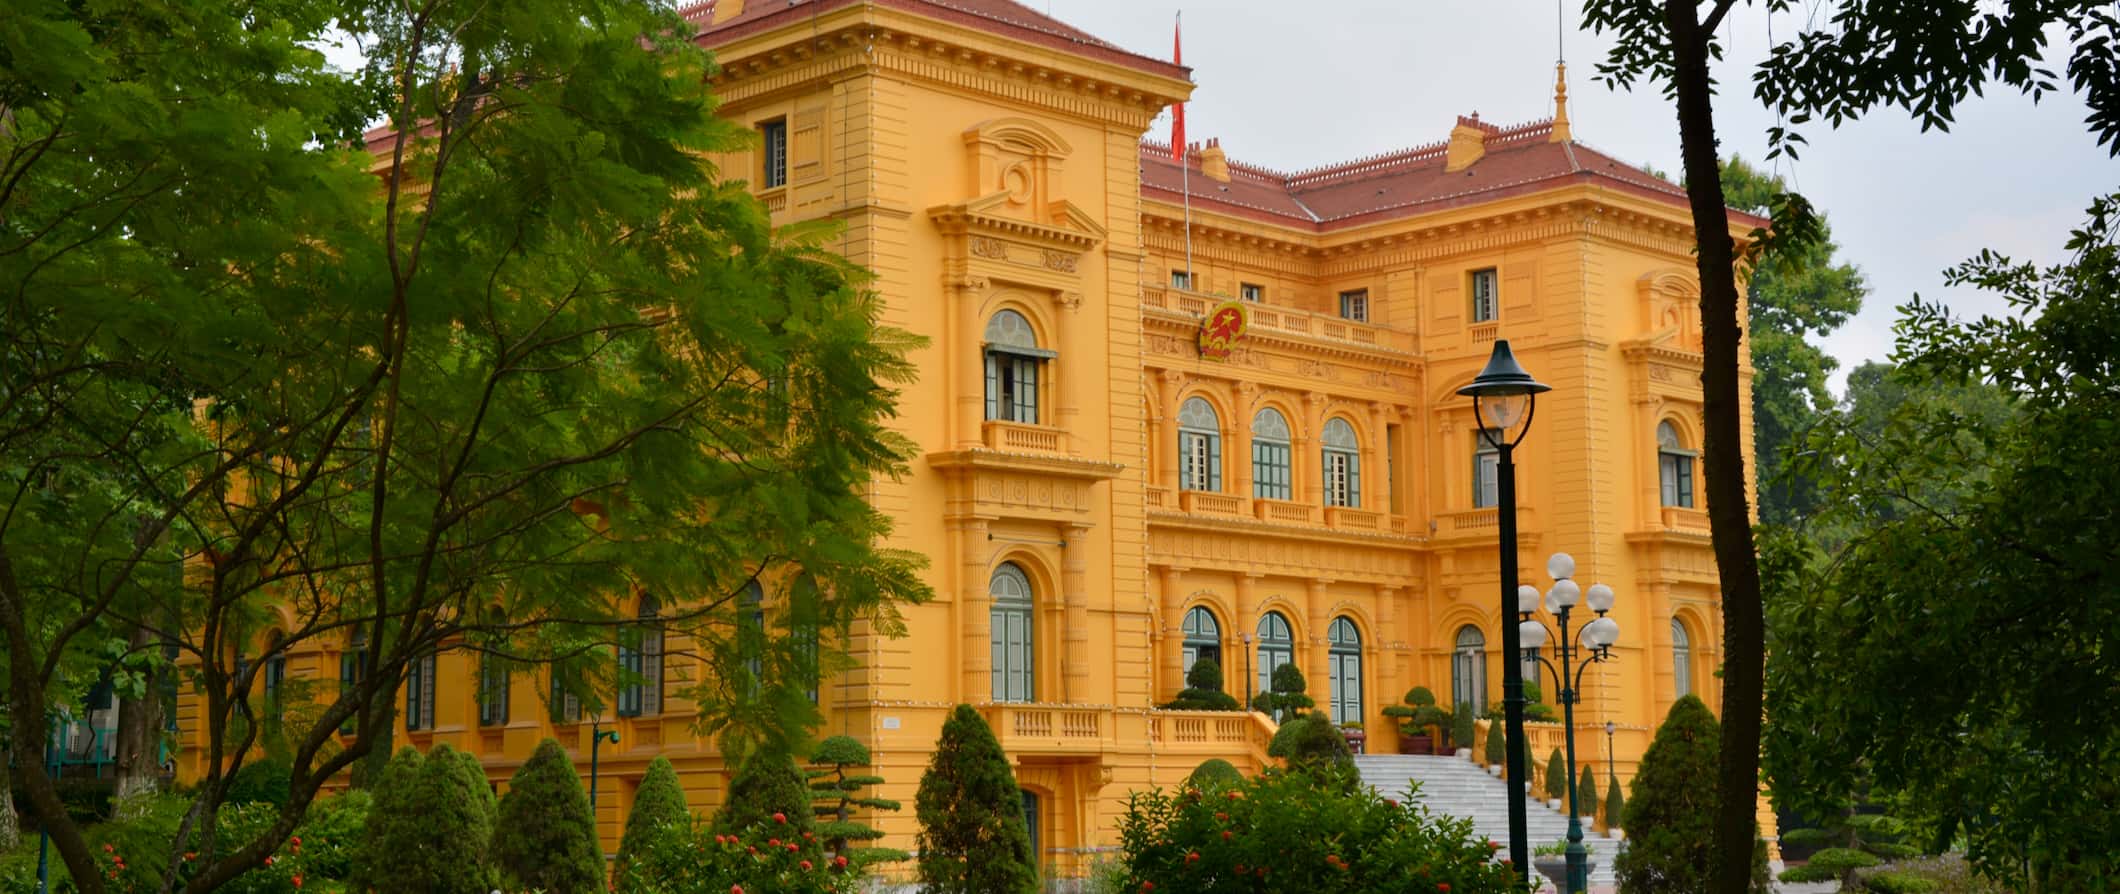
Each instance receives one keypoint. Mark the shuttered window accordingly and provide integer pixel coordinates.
(1199, 446)
(1342, 464)
(1013, 636)
(1271, 456)
(1014, 362)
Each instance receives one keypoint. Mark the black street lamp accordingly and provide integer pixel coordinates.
(1611, 768)
(1593, 643)
(597, 737)
(1503, 397)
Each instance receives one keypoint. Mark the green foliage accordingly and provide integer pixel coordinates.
(261, 781)
(546, 839)
(658, 804)
(1463, 726)
(1419, 715)
(1497, 744)
(1670, 814)
(1535, 709)
(1834, 864)
(836, 794)
(973, 836)
(1311, 744)
(1212, 775)
(215, 293)
(1285, 832)
(1203, 690)
(767, 785)
(692, 858)
(320, 852)
(1900, 883)
(1285, 699)
(430, 827)
(1556, 775)
(1586, 794)
(1615, 806)
(1968, 598)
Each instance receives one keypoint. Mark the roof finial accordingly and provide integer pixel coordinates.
(1560, 104)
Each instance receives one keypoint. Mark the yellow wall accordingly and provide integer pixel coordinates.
(973, 173)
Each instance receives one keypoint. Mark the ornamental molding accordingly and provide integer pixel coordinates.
(1055, 243)
(1181, 324)
(975, 460)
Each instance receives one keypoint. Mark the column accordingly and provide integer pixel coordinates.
(1308, 466)
(965, 359)
(1060, 373)
(975, 612)
(1170, 654)
(1236, 441)
(1245, 627)
(1316, 662)
(1376, 466)
(1390, 676)
(1167, 437)
(1074, 589)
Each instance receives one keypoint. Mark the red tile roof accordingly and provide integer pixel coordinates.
(1518, 160)
(1004, 17)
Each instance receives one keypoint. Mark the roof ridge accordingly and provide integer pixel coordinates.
(1369, 164)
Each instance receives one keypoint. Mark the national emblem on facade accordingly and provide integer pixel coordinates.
(1222, 329)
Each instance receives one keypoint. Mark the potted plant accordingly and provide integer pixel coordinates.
(1497, 748)
(1418, 719)
(1352, 729)
(1461, 731)
(1551, 861)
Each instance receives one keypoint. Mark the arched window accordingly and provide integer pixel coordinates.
(1468, 669)
(275, 672)
(1030, 817)
(1343, 464)
(1013, 362)
(1270, 456)
(1014, 652)
(1277, 646)
(1203, 636)
(1681, 658)
(1344, 651)
(1199, 446)
(1674, 466)
(493, 684)
(640, 661)
(353, 668)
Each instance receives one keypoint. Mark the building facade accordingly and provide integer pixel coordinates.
(1103, 500)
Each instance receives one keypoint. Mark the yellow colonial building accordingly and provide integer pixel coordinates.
(1102, 500)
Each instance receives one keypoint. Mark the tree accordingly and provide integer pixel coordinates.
(1285, 699)
(1311, 744)
(1497, 744)
(258, 361)
(1586, 794)
(768, 791)
(1797, 293)
(1977, 571)
(1673, 806)
(658, 805)
(1615, 806)
(836, 794)
(1203, 690)
(1419, 715)
(546, 839)
(393, 820)
(1462, 725)
(973, 836)
(1213, 774)
(1556, 775)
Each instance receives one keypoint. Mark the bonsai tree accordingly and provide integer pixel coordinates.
(546, 839)
(1462, 726)
(1670, 815)
(1586, 795)
(1534, 709)
(1848, 841)
(768, 785)
(973, 837)
(834, 796)
(1203, 690)
(1418, 716)
(1286, 699)
(658, 806)
(1214, 774)
(1615, 806)
(1497, 744)
(1556, 775)
(1310, 743)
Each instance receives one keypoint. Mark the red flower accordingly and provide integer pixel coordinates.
(780, 818)
(1148, 886)
(840, 861)
(297, 881)
(108, 849)
(1225, 834)
(1193, 857)
(805, 865)
(773, 841)
(1391, 802)
(1223, 817)
(1493, 845)
(1443, 888)
(793, 847)
(268, 861)
(735, 889)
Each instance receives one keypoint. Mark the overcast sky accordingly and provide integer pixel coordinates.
(1300, 83)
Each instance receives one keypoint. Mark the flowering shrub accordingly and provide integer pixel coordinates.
(777, 857)
(1298, 832)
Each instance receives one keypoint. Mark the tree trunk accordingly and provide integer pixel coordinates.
(1729, 514)
(139, 735)
(10, 824)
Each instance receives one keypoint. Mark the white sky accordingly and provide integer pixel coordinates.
(1298, 83)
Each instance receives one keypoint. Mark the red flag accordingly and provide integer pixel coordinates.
(1177, 121)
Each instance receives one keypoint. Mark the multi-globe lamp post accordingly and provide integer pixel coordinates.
(1592, 644)
(1503, 397)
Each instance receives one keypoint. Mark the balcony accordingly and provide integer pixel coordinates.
(1679, 518)
(1046, 729)
(1210, 733)
(1483, 333)
(1283, 320)
(1282, 511)
(1210, 503)
(1017, 437)
(1353, 519)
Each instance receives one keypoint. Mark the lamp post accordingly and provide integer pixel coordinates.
(597, 736)
(1611, 769)
(1504, 395)
(1593, 643)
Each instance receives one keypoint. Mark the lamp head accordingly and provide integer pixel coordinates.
(1601, 633)
(1503, 393)
(1564, 595)
(1530, 635)
(1560, 566)
(1526, 599)
(1599, 598)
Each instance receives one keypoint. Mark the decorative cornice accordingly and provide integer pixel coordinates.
(984, 459)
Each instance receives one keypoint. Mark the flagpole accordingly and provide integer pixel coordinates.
(1184, 155)
(1186, 179)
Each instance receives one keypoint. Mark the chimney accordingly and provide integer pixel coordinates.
(725, 10)
(1468, 143)
(1214, 163)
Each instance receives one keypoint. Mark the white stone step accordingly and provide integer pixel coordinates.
(1458, 788)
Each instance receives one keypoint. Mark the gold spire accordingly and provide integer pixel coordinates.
(1560, 104)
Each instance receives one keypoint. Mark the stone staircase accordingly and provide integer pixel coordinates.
(1459, 788)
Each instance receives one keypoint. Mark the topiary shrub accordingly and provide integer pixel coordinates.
(264, 781)
(547, 835)
(390, 790)
(973, 837)
(1586, 795)
(1286, 700)
(1283, 832)
(1418, 716)
(1462, 727)
(1213, 774)
(768, 785)
(1833, 864)
(1670, 814)
(1900, 883)
(835, 795)
(1615, 806)
(1556, 775)
(1311, 744)
(659, 804)
(1203, 690)
(429, 827)
(1497, 744)
(1534, 708)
